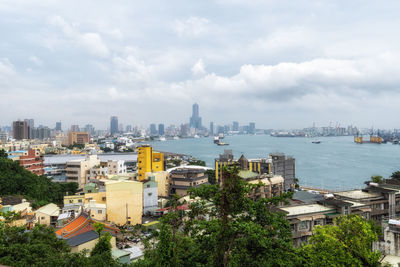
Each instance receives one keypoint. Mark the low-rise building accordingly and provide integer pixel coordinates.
(150, 195)
(47, 214)
(162, 180)
(182, 179)
(80, 234)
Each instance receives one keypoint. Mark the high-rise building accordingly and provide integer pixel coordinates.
(20, 130)
(211, 128)
(31, 125)
(128, 128)
(3, 137)
(149, 161)
(89, 128)
(286, 167)
(113, 125)
(153, 130)
(41, 132)
(75, 128)
(58, 126)
(195, 120)
(235, 126)
(78, 138)
(161, 129)
(252, 128)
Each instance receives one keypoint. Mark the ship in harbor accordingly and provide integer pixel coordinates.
(372, 139)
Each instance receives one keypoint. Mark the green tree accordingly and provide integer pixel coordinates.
(101, 253)
(15, 180)
(347, 243)
(224, 228)
(98, 227)
(197, 162)
(3, 154)
(376, 179)
(396, 175)
(211, 176)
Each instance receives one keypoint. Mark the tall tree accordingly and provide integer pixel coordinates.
(225, 227)
(347, 243)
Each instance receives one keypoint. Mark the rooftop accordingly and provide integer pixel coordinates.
(307, 197)
(82, 238)
(247, 174)
(306, 209)
(50, 209)
(357, 194)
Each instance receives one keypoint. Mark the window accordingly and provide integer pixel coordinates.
(71, 201)
(317, 222)
(99, 211)
(148, 186)
(80, 200)
(42, 218)
(103, 198)
(346, 210)
(149, 194)
(303, 225)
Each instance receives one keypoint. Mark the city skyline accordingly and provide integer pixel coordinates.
(291, 62)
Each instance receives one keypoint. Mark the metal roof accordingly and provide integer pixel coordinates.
(82, 238)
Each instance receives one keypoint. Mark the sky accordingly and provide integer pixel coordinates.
(278, 63)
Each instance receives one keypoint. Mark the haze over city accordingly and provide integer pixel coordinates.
(281, 64)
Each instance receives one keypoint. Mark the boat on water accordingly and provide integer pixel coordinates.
(222, 144)
(316, 142)
(162, 138)
(176, 138)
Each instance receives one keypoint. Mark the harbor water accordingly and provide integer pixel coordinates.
(337, 163)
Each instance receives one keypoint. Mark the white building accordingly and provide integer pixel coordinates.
(77, 170)
(106, 168)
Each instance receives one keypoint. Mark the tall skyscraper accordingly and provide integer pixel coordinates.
(153, 130)
(195, 120)
(113, 125)
(235, 126)
(31, 126)
(211, 128)
(58, 126)
(75, 128)
(89, 128)
(252, 128)
(161, 129)
(20, 130)
(128, 128)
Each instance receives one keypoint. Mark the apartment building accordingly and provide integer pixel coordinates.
(78, 138)
(284, 166)
(77, 170)
(181, 179)
(149, 161)
(30, 159)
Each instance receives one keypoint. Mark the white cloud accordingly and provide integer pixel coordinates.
(36, 60)
(198, 69)
(191, 27)
(94, 44)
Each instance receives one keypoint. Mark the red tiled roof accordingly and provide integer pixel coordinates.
(82, 224)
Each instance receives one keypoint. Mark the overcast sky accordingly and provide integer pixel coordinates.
(281, 64)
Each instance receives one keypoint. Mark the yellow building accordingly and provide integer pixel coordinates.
(259, 166)
(149, 161)
(124, 200)
(74, 200)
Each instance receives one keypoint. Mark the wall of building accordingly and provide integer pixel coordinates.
(162, 179)
(124, 200)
